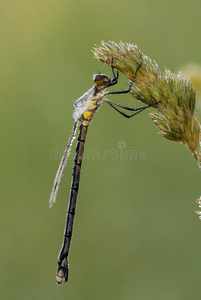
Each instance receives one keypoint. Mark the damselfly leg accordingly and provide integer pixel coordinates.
(115, 105)
(137, 110)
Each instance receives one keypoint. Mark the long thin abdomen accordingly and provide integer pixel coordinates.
(62, 270)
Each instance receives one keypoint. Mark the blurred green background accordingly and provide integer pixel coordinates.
(136, 234)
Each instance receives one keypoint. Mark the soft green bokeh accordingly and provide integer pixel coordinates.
(136, 234)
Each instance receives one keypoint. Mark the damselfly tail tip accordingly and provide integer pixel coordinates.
(59, 280)
(62, 275)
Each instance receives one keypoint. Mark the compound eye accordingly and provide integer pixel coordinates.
(98, 79)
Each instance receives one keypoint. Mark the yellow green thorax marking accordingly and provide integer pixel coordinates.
(88, 115)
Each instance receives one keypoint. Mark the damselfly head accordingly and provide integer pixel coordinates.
(101, 79)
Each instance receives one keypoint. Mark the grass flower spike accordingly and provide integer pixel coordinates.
(173, 95)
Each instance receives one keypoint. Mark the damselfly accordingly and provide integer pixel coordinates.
(84, 109)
